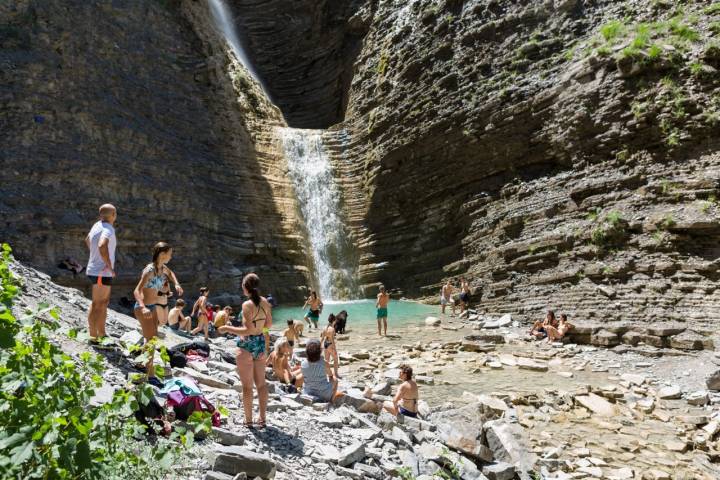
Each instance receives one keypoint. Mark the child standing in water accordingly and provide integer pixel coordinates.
(383, 298)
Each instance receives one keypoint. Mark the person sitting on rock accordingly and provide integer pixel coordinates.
(317, 376)
(279, 361)
(291, 332)
(556, 333)
(539, 330)
(406, 399)
(176, 319)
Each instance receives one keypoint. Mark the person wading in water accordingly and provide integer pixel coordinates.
(315, 307)
(383, 298)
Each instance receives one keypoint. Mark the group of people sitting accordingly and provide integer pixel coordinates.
(205, 317)
(551, 328)
(315, 375)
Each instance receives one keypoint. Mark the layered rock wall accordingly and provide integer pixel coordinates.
(502, 142)
(139, 104)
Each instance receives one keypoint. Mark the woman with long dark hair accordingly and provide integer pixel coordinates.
(147, 297)
(250, 359)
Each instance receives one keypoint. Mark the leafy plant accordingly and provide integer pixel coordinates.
(668, 222)
(713, 9)
(48, 428)
(405, 473)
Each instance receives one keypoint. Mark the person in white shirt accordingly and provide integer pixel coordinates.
(101, 243)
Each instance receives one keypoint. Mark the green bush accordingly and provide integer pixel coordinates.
(48, 429)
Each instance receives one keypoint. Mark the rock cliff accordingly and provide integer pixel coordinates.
(139, 104)
(560, 154)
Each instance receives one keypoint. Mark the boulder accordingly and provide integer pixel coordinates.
(503, 321)
(499, 471)
(672, 392)
(699, 398)
(665, 329)
(688, 340)
(508, 359)
(217, 476)
(462, 429)
(228, 438)
(604, 338)
(368, 470)
(351, 454)
(507, 443)
(597, 404)
(234, 460)
(432, 322)
(410, 461)
(713, 381)
(382, 388)
(529, 364)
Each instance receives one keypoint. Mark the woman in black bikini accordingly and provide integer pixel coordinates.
(250, 360)
(407, 396)
(152, 279)
(327, 339)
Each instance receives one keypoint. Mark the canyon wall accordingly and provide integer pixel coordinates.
(558, 154)
(139, 104)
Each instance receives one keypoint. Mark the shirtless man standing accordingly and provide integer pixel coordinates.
(446, 297)
(100, 270)
(383, 298)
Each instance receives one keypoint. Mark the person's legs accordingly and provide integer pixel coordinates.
(206, 327)
(98, 310)
(245, 369)
(384, 319)
(261, 386)
(379, 327)
(336, 359)
(162, 315)
(201, 326)
(149, 331)
(307, 319)
(184, 323)
(390, 407)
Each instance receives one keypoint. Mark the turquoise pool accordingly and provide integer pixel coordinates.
(362, 312)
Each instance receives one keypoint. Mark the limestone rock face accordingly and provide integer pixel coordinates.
(137, 103)
(476, 143)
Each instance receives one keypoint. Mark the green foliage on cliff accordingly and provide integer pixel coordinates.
(48, 428)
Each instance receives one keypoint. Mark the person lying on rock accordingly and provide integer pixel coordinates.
(539, 328)
(317, 376)
(407, 396)
(279, 361)
(556, 333)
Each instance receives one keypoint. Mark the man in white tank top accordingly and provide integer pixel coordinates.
(101, 243)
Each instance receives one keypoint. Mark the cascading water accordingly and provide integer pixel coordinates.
(223, 21)
(319, 199)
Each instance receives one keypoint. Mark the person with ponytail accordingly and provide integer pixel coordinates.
(250, 359)
(147, 297)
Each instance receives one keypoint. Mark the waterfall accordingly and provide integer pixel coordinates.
(319, 199)
(224, 23)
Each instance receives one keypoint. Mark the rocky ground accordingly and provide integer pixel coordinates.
(498, 408)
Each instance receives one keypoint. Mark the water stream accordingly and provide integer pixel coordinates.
(319, 199)
(224, 22)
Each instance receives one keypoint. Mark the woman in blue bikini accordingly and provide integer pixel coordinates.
(147, 296)
(256, 321)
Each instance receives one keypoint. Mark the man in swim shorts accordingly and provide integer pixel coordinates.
(101, 243)
(446, 297)
(383, 298)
